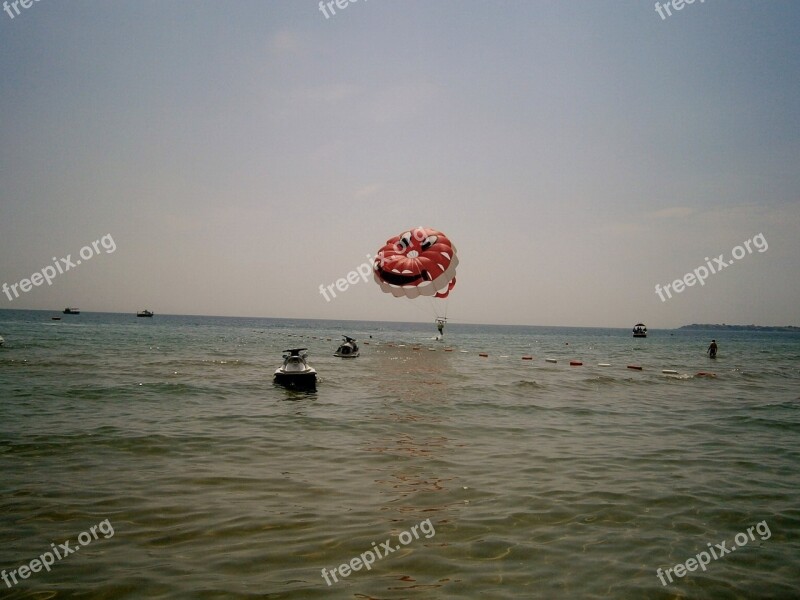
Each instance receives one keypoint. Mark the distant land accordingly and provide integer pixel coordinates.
(741, 327)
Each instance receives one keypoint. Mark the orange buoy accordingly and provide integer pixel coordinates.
(704, 374)
(526, 357)
(484, 354)
(635, 367)
(575, 363)
(448, 349)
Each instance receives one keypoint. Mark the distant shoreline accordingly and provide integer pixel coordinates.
(741, 327)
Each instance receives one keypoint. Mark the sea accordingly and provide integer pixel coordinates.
(155, 458)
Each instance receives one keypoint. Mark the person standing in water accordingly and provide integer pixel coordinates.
(712, 349)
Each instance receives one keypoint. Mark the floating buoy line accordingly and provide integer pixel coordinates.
(528, 357)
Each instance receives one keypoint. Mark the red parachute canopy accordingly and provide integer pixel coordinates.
(419, 262)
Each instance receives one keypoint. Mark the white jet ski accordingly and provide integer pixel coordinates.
(295, 371)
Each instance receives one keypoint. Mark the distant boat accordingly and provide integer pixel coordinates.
(71, 311)
(55, 318)
(145, 313)
(639, 330)
(2, 341)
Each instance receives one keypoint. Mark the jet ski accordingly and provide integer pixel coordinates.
(348, 349)
(2, 341)
(295, 371)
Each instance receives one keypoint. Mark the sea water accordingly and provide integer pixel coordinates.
(535, 479)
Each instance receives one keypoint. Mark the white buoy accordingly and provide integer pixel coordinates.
(669, 371)
(550, 360)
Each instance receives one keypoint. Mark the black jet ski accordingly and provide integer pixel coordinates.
(348, 349)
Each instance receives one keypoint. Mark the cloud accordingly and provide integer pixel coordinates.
(285, 42)
(335, 92)
(674, 212)
(368, 190)
(401, 101)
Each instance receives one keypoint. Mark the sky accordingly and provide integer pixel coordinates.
(239, 155)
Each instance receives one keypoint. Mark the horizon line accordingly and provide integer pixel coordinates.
(718, 325)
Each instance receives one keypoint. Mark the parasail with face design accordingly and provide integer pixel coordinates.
(418, 262)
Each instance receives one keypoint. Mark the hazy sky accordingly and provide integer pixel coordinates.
(242, 153)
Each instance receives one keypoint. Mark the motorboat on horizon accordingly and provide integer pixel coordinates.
(71, 311)
(145, 313)
(640, 330)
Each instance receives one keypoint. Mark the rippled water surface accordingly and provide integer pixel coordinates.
(531, 479)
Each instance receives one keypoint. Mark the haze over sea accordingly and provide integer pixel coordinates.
(541, 480)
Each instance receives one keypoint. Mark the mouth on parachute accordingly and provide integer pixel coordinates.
(402, 278)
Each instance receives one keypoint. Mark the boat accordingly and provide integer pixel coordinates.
(144, 313)
(71, 311)
(2, 341)
(639, 330)
(348, 348)
(296, 372)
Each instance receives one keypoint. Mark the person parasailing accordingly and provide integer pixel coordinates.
(440, 325)
(421, 262)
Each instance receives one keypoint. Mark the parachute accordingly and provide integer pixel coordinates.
(418, 262)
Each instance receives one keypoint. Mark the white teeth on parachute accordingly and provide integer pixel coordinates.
(396, 271)
(408, 272)
(446, 255)
(440, 266)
